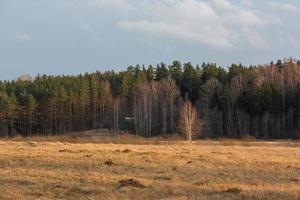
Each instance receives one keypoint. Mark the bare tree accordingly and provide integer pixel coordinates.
(143, 110)
(189, 123)
(236, 88)
(116, 104)
(170, 94)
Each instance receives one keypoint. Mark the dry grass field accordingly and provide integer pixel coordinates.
(51, 168)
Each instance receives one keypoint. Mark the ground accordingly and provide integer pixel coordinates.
(65, 168)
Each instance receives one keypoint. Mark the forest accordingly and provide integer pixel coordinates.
(261, 101)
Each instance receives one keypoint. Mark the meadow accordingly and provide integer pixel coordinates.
(109, 168)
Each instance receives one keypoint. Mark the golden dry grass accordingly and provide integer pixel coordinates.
(204, 170)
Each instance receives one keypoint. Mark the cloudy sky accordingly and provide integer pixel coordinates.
(74, 36)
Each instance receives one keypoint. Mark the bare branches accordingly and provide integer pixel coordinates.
(189, 123)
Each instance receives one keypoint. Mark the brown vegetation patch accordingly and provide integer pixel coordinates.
(126, 151)
(233, 190)
(130, 183)
(60, 186)
(32, 144)
(295, 180)
(200, 183)
(221, 153)
(256, 172)
(108, 162)
(24, 182)
(166, 178)
(65, 151)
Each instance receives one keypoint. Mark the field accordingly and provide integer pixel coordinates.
(65, 168)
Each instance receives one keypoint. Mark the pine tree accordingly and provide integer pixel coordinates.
(29, 105)
(12, 110)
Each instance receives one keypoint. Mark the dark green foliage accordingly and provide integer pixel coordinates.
(256, 101)
(162, 72)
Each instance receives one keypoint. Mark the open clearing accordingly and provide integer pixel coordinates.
(47, 169)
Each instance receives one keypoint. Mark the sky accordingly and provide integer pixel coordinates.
(76, 36)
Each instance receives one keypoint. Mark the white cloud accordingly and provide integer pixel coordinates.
(224, 5)
(215, 38)
(282, 6)
(23, 36)
(254, 38)
(244, 18)
(215, 23)
(248, 2)
(186, 20)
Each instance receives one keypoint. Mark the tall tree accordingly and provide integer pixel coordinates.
(189, 122)
(29, 105)
(161, 72)
(12, 109)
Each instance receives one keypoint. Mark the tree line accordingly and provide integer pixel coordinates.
(260, 101)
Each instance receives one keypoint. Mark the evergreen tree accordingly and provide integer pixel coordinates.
(161, 72)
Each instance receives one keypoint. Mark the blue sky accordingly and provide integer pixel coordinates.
(75, 36)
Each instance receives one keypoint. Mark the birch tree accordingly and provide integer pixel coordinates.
(189, 122)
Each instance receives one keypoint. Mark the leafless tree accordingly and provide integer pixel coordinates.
(116, 104)
(170, 93)
(189, 122)
(236, 87)
(144, 106)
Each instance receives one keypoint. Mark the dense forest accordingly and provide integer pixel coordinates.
(238, 101)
